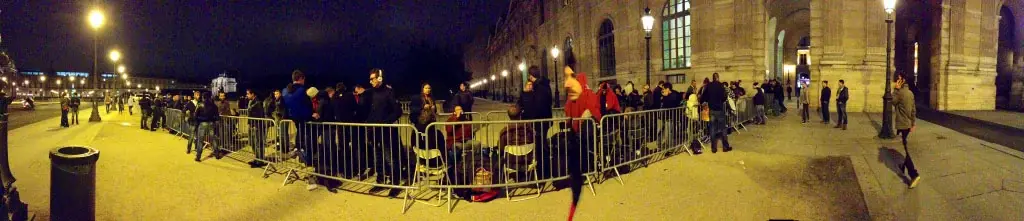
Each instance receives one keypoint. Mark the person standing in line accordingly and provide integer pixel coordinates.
(147, 110)
(206, 116)
(157, 113)
(780, 98)
(906, 115)
(843, 95)
(805, 102)
(464, 97)
(540, 108)
(759, 101)
(344, 105)
(422, 105)
(714, 96)
(65, 106)
(693, 87)
(789, 91)
(826, 95)
(257, 128)
(75, 102)
(649, 102)
(384, 109)
(299, 108)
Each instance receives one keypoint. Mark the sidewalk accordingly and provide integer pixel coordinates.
(783, 170)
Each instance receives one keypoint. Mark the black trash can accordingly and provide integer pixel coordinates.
(73, 183)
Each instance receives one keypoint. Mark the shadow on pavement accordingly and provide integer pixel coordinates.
(892, 159)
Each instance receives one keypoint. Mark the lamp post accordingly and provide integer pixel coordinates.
(492, 91)
(648, 23)
(504, 76)
(887, 133)
(96, 20)
(554, 56)
(522, 69)
(124, 76)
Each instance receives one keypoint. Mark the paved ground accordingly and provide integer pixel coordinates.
(783, 170)
(21, 117)
(1006, 118)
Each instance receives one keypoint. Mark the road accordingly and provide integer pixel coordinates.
(20, 117)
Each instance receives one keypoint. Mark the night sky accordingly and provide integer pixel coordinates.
(260, 39)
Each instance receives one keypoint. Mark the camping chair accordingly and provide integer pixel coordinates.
(427, 173)
(525, 150)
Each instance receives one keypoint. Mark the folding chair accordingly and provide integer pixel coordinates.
(426, 173)
(521, 151)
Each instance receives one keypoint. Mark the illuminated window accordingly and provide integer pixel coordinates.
(675, 34)
(606, 43)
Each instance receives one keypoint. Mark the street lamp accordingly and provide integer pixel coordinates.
(504, 75)
(554, 56)
(490, 89)
(522, 69)
(115, 56)
(887, 133)
(648, 22)
(121, 69)
(96, 20)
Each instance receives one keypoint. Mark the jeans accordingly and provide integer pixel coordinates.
(204, 130)
(283, 138)
(257, 138)
(760, 118)
(155, 120)
(824, 112)
(805, 114)
(193, 130)
(719, 129)
(64, 118)
(74, 115)
(909, 163)
(145, 116)
(841, 111)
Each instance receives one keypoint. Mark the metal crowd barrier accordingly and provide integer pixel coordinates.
(492, 152)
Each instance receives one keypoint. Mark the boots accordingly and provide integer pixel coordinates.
(844, 126)
(838, 126)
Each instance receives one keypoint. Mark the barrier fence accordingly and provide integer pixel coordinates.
(523, 157)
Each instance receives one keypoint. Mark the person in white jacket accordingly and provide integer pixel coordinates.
(132, 102)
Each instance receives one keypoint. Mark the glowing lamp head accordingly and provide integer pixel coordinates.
(647, 20)
(96, 19)
(555, 52)
(890, 6)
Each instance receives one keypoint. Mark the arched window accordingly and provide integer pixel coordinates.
(675, 34)
(606, 48)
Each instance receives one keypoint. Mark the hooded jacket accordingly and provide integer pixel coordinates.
(298, 106)
(463, 99)
(586, 102)
(541, 107)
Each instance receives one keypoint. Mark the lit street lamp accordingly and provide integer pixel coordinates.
(887, 133)
(554, 56)
(522, 69)
(648, 23)
(504, 75)
(494, 95)
(96, 20)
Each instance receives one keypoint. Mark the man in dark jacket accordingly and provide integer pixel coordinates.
(206, 116)
(714, 95)
(780, 98)
(843, 96)
(145, 104)
(384, 109)
(76, 101)
(759, 117)
(541, 108)
(157, 113)
(650, 101)
(362, 99)
(670, 97)
(323, 111)
(527, 98)
(826, 95)
(344, 104)
(258, 124)
(464, 98)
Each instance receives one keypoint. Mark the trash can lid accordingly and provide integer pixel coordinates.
(78, 155)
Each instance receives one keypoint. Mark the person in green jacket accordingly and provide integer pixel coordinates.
(905, 113)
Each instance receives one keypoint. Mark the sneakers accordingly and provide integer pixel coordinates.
(915, 181)
(257, 164)
(726, 149)
(311, 184)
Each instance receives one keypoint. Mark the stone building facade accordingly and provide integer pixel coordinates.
(952, 51)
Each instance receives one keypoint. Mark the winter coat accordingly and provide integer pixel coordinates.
(904, 108)
(416, 108)
(256, 109)
(759, 97)
(673, 100)
(714, 95)
(463, 99)
(297, 105)
(344, 107)
(207, 112)
(804, 98)
(383, 107)
(458, 133)
(586, 102)
(844, 95)
(826, 94)
(223, 107)
(322, 106)
(541, 107)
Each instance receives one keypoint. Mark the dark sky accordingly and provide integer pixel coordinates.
(190, 39)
